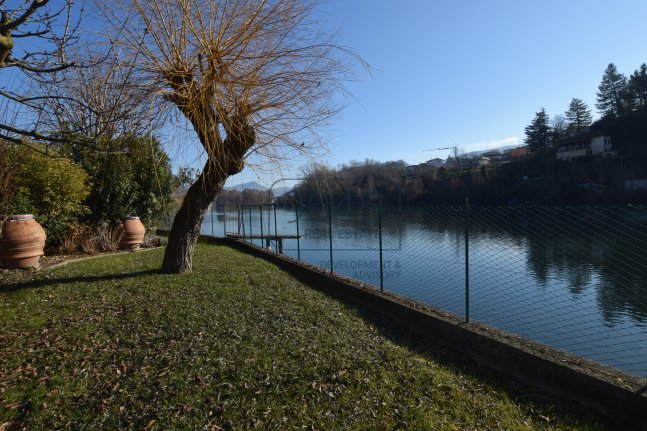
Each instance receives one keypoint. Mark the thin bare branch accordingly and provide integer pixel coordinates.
(12, 24)
(34, 38)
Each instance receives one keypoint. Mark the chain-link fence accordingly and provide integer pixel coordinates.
(574, 278)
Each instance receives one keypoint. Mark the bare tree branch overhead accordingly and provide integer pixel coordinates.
(102, 101)
(248, 76)
(35, 37)
(54, 88)
(44, 30)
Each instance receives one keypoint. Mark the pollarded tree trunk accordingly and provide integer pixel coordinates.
(225, 158)
(184, 234)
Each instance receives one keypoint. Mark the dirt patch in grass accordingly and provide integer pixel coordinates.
(238, 344)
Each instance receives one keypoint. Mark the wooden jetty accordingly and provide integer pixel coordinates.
(278, 237)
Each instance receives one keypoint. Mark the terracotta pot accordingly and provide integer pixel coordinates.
(23, 241)
(133, 233)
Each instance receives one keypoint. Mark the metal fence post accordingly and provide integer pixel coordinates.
(467, 260)
(298, 238)
(213, 233)
(269, 223)
(379, 225)
(276, 233)
(224, 222)
(238, 220)
(260, 213)
(251, 234)
(330, 235)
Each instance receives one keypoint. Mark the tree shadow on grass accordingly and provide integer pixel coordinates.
(525, 395)
(45, 282)
(528, 396)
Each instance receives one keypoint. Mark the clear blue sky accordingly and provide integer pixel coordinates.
(470, 73)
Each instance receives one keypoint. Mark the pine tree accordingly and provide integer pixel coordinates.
(612, 92)
(578, 115)
(638, 88)
(538, 134)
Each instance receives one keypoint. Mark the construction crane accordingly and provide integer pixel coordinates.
(444, 148)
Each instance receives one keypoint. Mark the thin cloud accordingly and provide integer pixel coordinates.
(481, 146)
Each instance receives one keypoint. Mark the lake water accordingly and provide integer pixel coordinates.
(572, 278)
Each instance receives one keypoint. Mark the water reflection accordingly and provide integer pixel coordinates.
(572, 277)
(601, 248)
(615, 257)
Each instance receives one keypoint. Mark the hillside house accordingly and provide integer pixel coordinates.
(435, 163)
(517, 153)
(582, 146)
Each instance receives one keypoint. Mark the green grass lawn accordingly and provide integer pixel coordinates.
(111, 344)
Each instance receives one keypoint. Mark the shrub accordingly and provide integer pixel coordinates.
(78, 238)
(133, 178)
(52, 188)
(83, 238)
(107, 236)
(153, 241)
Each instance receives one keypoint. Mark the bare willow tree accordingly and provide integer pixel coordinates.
(248, 76)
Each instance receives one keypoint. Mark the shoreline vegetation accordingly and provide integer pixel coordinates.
(535, 177)
(237, 344)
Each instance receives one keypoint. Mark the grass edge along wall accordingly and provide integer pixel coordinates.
(613, 393)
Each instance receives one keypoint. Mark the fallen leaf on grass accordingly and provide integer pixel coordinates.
(13, 406)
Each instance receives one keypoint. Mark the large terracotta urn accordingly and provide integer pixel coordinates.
(23, 242)
(133, 233)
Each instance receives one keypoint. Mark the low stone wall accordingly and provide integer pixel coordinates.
(620, 396)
